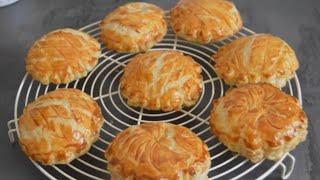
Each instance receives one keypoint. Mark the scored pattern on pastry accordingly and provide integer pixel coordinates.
(158, 151)
(134, 27)
(256, 58)
(59, 126)
(259, 121)
(62, 56)
(205, 21)
(162, 80)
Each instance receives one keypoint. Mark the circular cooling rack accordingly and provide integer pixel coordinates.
(102, 83)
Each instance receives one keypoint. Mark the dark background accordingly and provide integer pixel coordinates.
(296, 21)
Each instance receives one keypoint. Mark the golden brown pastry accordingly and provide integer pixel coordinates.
(259, 121)
(162, 80)
(205, 21)
(256, 58)
(59, 126)
(158, 151)
(134, 27)
(62, 56)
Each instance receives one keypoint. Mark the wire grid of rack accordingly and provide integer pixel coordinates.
(102, 83)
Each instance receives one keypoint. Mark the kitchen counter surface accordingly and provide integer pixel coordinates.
(296, 21)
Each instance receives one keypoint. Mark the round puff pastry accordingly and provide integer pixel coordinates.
(205, 21)
(158, 151)
(259, 121)
(162, 80)
(62, 56)
(256, 58)
(134, 27)
(59, 126)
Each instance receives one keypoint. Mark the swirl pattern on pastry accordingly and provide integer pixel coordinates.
(62, 56)
(205, 21)
(259, 121)
(158, 151)
(134, 27)
(162, 80)
(256, 58)
(59, 126)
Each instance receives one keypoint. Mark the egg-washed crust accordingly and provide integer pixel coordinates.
(162, 80)
(205, 21)
(134, 27)
(59, 126)
(62, 56)
(256, 58)
(158, 151)
(259, 121)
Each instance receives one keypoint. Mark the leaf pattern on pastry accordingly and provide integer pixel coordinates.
(162, 80)
(134, 27)
(205, 21)
(256, 58)
(59, 126)
(62, 56)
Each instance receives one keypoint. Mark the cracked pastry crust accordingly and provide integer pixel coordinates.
(259, 121)
(59, 126)
(62, 56)
(256, 58)
(134, 27)
(158, 151)
(205, 21)
(162, 80)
